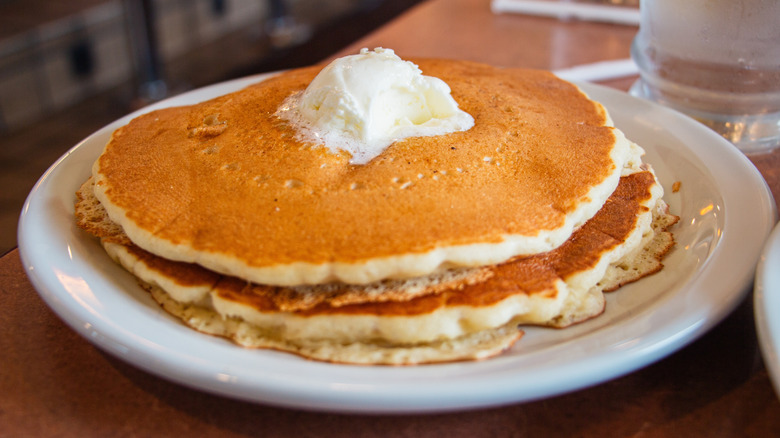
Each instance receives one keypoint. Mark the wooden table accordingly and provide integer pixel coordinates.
(54, 383)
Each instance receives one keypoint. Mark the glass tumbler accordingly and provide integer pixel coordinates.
(717, 61)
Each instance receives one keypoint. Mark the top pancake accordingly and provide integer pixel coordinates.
(229, 185)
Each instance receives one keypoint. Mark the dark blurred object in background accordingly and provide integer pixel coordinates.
(54, 54)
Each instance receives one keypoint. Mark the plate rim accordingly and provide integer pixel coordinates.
(288, 393)
(766, 298)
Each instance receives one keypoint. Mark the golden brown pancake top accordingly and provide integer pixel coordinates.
(228, 176)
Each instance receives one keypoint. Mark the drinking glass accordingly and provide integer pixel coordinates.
(717, 61)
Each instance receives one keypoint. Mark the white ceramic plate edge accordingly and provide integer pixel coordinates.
(766, 304)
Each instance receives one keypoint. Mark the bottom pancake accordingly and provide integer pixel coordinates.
(478, 345)
(454, 315)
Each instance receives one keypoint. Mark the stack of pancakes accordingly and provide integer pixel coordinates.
(436, 250)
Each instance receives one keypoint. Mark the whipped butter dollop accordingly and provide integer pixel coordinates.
(363, 103)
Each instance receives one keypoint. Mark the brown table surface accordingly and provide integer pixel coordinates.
(55, 383)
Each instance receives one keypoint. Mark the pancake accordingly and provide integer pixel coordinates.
(228, 185)
(466, 313)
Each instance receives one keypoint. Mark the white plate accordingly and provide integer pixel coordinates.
(766, 300)
(726, 209)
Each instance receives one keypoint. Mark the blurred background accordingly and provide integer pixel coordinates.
(67, 68)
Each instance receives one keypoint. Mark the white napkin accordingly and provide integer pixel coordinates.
(563, 9)
(599, 71)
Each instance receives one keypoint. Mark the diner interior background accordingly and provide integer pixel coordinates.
(68, 68)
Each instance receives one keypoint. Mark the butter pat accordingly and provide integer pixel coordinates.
(363, 103)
